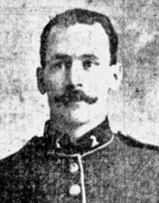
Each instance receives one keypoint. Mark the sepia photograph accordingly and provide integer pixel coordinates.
(79, 101)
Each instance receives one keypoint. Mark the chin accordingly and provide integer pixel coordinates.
(74, 115)
(77, 113)
(77, 118)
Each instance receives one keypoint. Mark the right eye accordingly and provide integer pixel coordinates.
(57, 66)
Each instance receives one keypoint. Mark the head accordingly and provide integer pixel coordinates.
(79, 65)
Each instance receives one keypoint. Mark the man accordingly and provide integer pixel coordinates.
(79, 159)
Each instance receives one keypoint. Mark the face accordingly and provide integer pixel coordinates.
(78, 74)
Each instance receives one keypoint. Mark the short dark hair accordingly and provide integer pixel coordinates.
(71, 17)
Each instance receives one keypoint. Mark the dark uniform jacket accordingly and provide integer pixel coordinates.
(101, 168)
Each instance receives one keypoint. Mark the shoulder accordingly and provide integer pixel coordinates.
(23, 158)
(137, 153)
(16, 170)
(135, 145)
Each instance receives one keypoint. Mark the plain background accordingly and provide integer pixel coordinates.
(134, 110)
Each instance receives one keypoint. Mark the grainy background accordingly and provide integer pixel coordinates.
(134, 110)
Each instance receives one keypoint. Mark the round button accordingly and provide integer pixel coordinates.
(75, 190)
(74, 167)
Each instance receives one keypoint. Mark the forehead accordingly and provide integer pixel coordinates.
(78, 39)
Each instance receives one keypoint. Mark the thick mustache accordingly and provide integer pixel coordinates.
(74, 96)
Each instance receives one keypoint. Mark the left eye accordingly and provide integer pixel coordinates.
(87, 64)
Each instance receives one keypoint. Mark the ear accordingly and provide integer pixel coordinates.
(40, 80)
(117, 76)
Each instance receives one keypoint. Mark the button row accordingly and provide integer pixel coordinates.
(74, 168)
(75, 190)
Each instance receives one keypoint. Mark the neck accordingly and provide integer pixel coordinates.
(75, 130)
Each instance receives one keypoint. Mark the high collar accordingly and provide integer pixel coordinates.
(92, 140)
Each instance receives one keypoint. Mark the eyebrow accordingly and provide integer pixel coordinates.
(89, 56)
(67, 57)
(60, 57)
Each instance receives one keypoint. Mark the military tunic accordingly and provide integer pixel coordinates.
(100, 168)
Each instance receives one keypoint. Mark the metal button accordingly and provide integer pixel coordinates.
(74, 167)
(75, 190)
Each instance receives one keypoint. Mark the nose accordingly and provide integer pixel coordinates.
(74, 74)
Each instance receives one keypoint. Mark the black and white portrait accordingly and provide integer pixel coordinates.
(79, 113)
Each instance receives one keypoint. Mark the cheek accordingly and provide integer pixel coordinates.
(90, 85)
(102, 89)
(54, 83)
(98, 84)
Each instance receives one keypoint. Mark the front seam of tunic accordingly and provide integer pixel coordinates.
(82, 180)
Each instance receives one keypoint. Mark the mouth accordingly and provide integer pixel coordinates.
(74, 99)
(71, 104)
